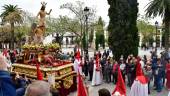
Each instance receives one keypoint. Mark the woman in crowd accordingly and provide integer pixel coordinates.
(159, 76)
(148, 73)
(128, 67)
(108, 71)
(115, 71)
(122, 68)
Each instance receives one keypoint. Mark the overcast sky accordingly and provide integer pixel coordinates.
(101, 6)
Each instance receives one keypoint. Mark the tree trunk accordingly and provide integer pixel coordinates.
(12, 35)
(20, 44)
(167, 24)
(81, 45)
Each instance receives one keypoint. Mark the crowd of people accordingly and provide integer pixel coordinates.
(101, 68)
(155, 68)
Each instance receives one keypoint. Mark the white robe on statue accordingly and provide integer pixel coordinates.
(77, 66)
(139, 89)
(169, 94)
(97, 77)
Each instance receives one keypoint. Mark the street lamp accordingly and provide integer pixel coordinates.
(156, 26)
(86, 13)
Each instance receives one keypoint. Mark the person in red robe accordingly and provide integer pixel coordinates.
(97, 74)
(168, 75)
(140, 84)
(5, 52)
(120, 89)
(81, 88)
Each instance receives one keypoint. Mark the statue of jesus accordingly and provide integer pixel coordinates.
(42, 13)
(40, 29)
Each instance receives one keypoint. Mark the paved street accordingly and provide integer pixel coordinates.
(93, 90)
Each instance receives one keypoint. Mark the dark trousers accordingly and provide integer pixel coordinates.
(149, 87)
(114, 78)
(164, 76)
(90, 75)
(123, 75)
(85, 70)
(132, 78)
(129, 79)
(108, 77)
(159, 84)
(154, 84)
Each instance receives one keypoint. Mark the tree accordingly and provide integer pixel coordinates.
(78, 10)
(147, 30)
(5, 35)
(91, 35)
(20, 33)
(100, 39)
(123, 33)
(161, 8)
(12, 14)
(19, 38)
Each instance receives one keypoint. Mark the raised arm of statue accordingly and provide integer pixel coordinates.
(49, 12)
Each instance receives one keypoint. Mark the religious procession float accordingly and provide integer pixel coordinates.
(46, 56)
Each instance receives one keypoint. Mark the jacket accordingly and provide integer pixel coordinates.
(6, 86)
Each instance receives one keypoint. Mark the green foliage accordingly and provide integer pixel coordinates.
(91, 35)
(25, 29)
(123, 33)
(147, 30)
(63, 24)
(100, 39)
(5, 33)
(161, 8)
(77, 40)
(12, 14)
(97, 41)
(163, 38)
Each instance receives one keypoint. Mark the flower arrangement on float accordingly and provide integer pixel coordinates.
(51, 46)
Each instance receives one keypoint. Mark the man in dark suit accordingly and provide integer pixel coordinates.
(90, 67)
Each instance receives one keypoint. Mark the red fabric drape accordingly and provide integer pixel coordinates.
(5, 52)
(168, 75)
(97, 63)
(139, 73)
(81, 90)
(39, 73)
(120, 85)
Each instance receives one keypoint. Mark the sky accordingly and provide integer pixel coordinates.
(101, 7)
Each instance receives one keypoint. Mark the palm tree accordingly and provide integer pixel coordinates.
(161, 8)
(12, 14)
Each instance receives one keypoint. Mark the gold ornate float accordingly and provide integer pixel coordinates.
(63, 73)
(46, 56)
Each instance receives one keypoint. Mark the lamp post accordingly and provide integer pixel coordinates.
(156, 26)
(86, 13)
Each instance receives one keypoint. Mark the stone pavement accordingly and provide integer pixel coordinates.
(93, 90)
